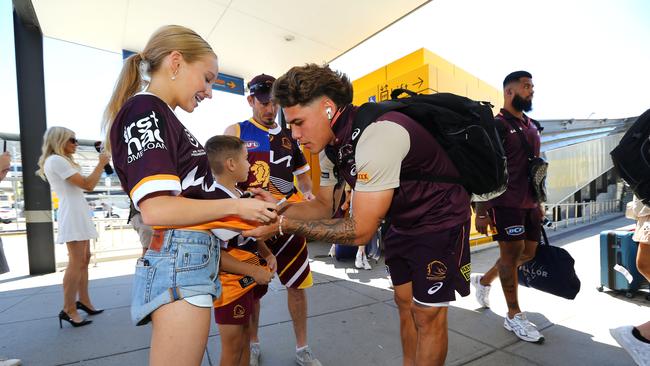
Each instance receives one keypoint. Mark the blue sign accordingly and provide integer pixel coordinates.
(225, 83)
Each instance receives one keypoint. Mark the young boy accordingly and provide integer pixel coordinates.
(227, 156)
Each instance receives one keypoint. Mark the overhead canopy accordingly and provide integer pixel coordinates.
(249, 36)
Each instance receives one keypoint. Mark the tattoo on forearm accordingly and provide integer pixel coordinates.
(340, 231)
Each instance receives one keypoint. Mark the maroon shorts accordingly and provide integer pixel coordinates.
(437, 264)
(259, 291)
(237, 312)
(514, 224)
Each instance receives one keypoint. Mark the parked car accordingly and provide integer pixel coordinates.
(7, 214)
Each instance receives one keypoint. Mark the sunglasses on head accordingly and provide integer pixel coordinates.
(73, 140)
(261, 87)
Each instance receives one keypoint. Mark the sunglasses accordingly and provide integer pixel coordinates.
(261, 87)
(73, 140)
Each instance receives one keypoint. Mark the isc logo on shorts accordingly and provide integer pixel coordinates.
(515, 230)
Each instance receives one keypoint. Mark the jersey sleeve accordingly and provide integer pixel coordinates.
(327, 178)
(300, 166)
(379, 154)
(149, 153)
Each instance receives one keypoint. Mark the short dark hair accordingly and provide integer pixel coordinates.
(302, 84)
(515, 76)
(221, 147)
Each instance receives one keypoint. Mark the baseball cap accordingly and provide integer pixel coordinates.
(260, 87)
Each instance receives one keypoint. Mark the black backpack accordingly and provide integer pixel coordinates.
(632, 157)
(464, 128)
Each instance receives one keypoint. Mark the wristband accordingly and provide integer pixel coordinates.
(280, 225)
(482, 217)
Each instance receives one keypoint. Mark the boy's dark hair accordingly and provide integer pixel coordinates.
(302, 84)
(221, 147)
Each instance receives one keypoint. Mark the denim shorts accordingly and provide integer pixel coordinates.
(186, 266)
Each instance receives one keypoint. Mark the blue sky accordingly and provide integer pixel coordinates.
(587, 57)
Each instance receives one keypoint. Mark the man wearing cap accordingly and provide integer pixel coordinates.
(515, 214)
(275, 160)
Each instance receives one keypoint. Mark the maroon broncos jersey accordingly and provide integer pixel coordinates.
(153, 152)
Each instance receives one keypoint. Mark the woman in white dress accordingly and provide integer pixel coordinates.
(57, 166)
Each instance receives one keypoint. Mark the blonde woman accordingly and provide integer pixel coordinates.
(57, 166)
(165, 171)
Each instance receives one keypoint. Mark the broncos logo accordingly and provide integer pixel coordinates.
(261, 172)
(436, 271)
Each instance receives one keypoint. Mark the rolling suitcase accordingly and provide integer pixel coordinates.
(618, 269)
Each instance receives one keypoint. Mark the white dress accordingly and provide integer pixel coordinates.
(74, 213)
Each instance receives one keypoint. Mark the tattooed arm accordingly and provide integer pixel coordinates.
(369, 210)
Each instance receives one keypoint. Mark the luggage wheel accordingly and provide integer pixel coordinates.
(629, 295)
(599, 288)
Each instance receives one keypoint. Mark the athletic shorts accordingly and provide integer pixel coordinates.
(514, 224)
(293, 260)
(437, 264)
(237, 312)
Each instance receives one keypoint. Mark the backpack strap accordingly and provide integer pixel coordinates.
(524, 142)
(369, 112)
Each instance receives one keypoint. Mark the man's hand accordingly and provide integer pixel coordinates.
(308, 196)
(482, 222)
(262, 232)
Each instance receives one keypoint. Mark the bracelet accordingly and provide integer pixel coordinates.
(280, 225)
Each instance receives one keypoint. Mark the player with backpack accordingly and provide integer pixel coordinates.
(401, 158)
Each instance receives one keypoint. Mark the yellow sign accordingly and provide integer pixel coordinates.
(416, 80)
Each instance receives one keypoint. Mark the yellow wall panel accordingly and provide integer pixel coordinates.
(405, 64)
(370, 80)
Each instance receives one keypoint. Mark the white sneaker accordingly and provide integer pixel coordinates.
(305, 357)
(481, 292)
(358, 262)
(523, 329)
(332, 251)
(9, 362)
(365, 263)
(639, 351)
(255, 354)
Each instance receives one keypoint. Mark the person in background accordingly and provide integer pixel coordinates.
(636, 340)
(76, 229)
(515, 214)
(5, 165)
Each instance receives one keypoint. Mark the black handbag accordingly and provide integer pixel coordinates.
(537, 167)
(551, 271)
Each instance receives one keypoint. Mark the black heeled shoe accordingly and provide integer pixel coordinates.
(64, 316)
(89, 311)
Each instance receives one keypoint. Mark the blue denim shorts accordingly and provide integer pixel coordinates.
(186, 265)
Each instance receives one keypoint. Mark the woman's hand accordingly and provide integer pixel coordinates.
(104, 158)
(256, 210)
(263, 195)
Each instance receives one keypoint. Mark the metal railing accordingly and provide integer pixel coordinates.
(565, 214)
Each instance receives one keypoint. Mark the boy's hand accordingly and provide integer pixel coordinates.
(262, 276)
(271, 262)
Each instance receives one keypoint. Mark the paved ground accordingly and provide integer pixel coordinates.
(352, 318)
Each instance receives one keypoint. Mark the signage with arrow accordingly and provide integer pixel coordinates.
(225, 83)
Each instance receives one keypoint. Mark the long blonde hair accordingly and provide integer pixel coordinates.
(54, 141)
(165, 40)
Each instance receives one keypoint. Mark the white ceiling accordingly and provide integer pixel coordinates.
(247, 35)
